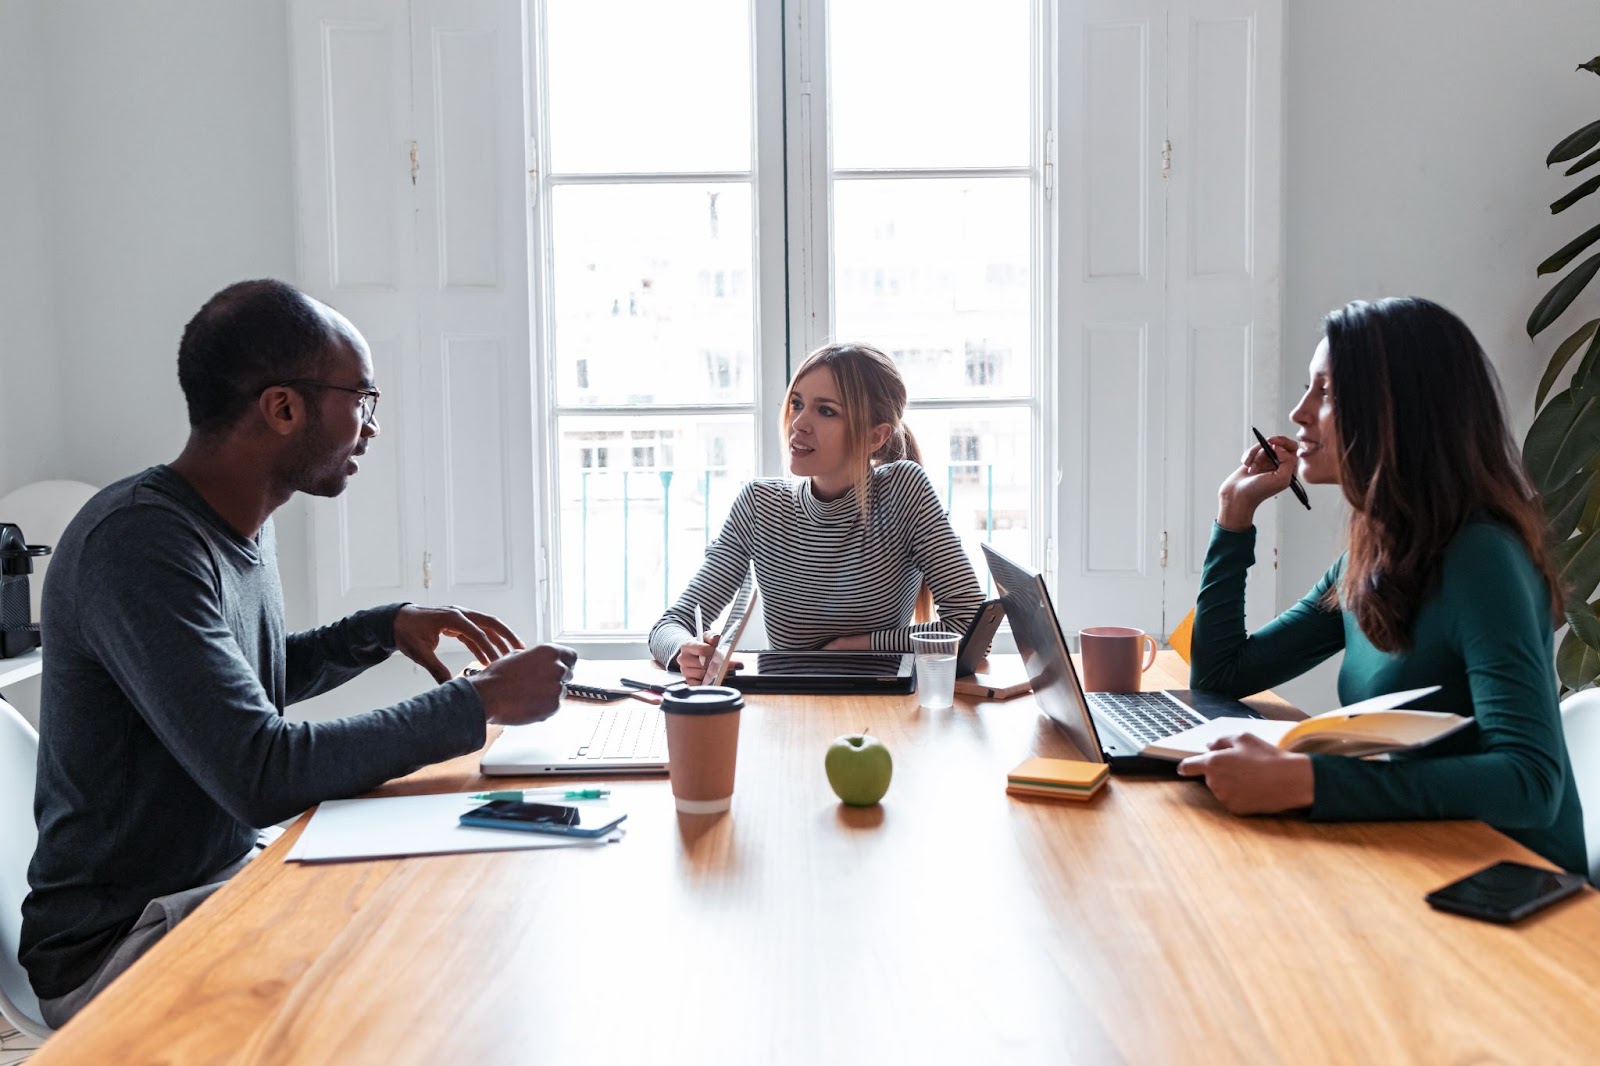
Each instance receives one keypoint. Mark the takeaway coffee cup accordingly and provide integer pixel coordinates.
(702, 746)
(1114, 657)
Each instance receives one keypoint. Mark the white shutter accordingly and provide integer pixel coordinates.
(1113, 314)
(473, 304)
(1224, 212)
(1169, 295)
(412, 211)
(354, 213)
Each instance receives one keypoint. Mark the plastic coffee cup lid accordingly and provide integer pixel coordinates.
(703, 699)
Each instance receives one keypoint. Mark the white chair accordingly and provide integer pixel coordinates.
(42, 510)
(1580, 722)
(19, 751)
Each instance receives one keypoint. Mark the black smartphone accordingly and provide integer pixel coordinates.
(1505, 892)
(979, 637)
(544, 818)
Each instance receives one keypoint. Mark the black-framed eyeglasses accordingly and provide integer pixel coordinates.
(368, 402)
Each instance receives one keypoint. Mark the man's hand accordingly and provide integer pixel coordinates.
(1250, 776)
(418, 630)
(524, 686)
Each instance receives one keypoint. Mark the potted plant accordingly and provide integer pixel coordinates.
(1562, 450)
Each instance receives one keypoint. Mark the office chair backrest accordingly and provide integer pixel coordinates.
(1580, 722)
(19, 751)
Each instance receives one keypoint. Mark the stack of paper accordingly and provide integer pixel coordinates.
(395, 826)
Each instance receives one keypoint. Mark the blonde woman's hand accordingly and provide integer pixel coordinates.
(693, 656)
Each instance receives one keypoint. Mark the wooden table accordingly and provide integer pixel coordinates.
(951, 924)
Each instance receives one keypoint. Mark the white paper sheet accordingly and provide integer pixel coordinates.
(395, 826)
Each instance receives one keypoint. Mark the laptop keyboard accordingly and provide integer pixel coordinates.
(1145, 716)
(627, 732)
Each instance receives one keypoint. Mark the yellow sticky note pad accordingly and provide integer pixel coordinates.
(1058, 778)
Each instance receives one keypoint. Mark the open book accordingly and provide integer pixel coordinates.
(1367, 728)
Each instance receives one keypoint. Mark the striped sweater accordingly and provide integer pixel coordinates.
(823, 573)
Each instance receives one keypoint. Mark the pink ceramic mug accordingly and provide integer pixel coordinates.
(1114, 657)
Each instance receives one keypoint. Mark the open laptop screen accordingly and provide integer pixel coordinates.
(1044, 652)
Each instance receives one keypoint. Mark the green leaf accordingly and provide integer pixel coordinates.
(1564, 506)
(1563, 439)
(1580, 616)
(1569, 252)
(1559, 360)
(1577, 664)
(1589, 521)
(1575, 195)
(1574, 144)
(1562, 294)
(1577, 561)
(1583, 164)
(1582, 376)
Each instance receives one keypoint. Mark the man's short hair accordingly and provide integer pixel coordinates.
(249, 336)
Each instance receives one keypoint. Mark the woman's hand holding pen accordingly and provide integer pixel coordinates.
(693, 656)
(1257, 480)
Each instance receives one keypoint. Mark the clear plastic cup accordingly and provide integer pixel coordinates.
(936, 668)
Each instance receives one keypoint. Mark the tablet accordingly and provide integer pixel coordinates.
(824, 671)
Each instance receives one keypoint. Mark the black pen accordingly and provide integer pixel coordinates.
(1294, 482)
(649, 686)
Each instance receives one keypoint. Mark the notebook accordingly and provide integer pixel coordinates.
(1111, 727)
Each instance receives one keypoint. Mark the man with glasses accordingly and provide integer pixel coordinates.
(162, 742)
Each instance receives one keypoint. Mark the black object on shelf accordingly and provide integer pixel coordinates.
(19, 633)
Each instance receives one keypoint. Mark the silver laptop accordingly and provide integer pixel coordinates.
(1112, 727)
(625, 737)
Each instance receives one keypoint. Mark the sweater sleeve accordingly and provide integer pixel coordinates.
(1501, 626)
(1224, 655)
(322, 659)
(161, 630)
(936, 551)
(714, 585)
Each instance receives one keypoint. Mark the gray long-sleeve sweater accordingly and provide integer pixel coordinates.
(162, 741)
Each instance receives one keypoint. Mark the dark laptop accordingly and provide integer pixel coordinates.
(1112, 727)
(858, 672)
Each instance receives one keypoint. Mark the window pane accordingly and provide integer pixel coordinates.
(639, 86)
(981, 464)
(936, 273)
(641, 497)
(654, 295)
(929, 83)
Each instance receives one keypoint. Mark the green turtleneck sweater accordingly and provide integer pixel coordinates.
(1484, 635)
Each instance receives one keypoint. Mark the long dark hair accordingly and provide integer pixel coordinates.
(1424, 449)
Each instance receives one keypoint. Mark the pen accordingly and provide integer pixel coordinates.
(650, 686)
(515, 794)
(1294, 481)
(699, 623)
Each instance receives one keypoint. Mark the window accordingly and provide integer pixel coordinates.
(1063, 221)
(661, 228)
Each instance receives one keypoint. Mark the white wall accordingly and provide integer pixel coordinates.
(169, 126)
(1417, 133)
(31, 434)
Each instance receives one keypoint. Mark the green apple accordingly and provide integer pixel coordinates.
(859, 769)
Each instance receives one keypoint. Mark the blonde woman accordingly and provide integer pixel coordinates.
(849, 554)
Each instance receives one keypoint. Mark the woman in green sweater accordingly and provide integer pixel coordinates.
(1445, 581)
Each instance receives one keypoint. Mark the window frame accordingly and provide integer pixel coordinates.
(792, 185)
